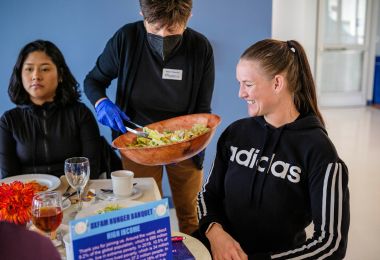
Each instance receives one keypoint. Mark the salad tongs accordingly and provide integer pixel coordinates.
(138, 133)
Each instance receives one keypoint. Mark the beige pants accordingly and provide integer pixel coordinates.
(185, 182)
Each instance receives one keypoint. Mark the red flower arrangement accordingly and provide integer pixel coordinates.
(16, 201)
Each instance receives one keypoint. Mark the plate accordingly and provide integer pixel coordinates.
(51, 181)
(91, 210)
(136, 193)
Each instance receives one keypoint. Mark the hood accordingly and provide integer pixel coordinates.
(269, 145)
(303, 122)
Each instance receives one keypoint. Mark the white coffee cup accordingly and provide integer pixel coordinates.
(122, 182)
(68, 247)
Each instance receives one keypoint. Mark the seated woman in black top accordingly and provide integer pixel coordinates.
(276, 171)
(49, 123)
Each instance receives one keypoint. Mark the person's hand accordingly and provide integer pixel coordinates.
(110, 115)
(223, 246)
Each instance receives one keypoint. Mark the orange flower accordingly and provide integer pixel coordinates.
(16, 201)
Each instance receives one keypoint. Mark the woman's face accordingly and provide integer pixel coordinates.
(39, 77)
(255, 88)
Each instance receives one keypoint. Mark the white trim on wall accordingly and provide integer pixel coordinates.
(296, 20)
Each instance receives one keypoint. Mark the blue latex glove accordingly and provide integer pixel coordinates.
(110, 115)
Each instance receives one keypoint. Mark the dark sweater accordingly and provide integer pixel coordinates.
(128, 58)
(121, 59)
(38, 139)
(19, 243)
(267, 184)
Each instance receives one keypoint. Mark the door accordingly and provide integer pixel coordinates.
(342, 52)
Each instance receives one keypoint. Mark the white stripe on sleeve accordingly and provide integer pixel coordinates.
(337, 171)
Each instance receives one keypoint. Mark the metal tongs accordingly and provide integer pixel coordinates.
(138, 133)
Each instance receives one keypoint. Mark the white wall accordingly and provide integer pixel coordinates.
(374, 45)
(296, 20)
(378, 32)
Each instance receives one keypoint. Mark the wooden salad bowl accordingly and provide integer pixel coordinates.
(171, 153)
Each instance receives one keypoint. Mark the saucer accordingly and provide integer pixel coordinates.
(136, 193)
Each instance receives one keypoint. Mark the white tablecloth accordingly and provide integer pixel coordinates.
(147, 186)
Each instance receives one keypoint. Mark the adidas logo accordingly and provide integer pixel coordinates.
(278, 169)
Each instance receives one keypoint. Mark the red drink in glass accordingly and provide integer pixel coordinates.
(47, 219)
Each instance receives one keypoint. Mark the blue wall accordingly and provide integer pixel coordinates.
(80, 28)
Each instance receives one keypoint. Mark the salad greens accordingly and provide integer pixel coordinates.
(156, 138)
(108, 208)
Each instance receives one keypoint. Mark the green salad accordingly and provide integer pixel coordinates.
(156, 138)
(108, 208)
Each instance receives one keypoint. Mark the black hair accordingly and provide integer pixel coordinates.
(168, 12)
(68, 88)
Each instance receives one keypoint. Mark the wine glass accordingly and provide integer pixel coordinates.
(47, 211)
(77, 171)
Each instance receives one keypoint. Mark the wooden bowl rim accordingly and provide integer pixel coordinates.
(212, 129)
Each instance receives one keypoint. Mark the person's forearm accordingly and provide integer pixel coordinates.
(214, 230)
(94, 89)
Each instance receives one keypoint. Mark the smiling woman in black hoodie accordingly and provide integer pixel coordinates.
(277, 171)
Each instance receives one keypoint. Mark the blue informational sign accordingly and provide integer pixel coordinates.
(140, 232)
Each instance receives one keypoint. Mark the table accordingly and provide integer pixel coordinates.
(150, 191)
(147, 186)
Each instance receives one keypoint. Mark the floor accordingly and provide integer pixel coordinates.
(356, 135)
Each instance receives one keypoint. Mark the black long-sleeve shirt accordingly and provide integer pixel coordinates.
(128, 57)
(267, 184)
(38, 139)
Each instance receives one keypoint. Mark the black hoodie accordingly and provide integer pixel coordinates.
(268, 184)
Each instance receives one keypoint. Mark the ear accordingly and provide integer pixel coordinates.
(188, 19)
(278, 83)
(141, 14)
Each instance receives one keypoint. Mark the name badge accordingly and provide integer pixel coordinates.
(172, 74)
